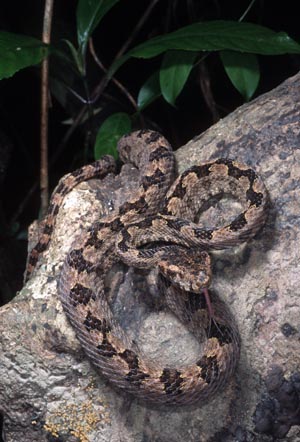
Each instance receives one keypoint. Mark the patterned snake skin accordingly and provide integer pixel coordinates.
(156, 228)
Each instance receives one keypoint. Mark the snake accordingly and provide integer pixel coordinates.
(158, 227)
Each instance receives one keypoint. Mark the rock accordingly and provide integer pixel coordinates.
(50, 391)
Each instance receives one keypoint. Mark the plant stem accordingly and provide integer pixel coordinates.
(247, 10)
(113, 80)
(44, 176)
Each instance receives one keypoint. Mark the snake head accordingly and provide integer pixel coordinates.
(188, 269)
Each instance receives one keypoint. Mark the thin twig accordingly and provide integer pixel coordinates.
(114, 80)
(44, 177)
(105, 80)
(246, 11)
(136, 30)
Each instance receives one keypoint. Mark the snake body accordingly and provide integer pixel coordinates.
(157, 228)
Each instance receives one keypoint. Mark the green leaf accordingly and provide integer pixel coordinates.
(18, 52)
(149, 92)
(109, 134)
(219, 35)
(242, 70)
(175, 69)
(75, 56)
(89, 15)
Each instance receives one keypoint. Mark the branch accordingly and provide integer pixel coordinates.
(44, 178)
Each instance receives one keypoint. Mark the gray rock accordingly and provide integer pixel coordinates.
(48, 387)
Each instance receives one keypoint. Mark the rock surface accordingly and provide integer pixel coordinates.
(48, 389)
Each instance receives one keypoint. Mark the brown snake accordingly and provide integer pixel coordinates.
(156, 228)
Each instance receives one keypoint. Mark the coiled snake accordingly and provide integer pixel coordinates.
(156, 228)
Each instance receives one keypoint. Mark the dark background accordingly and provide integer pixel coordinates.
(20, 97)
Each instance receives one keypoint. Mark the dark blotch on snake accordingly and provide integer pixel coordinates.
(239, 222)
(144, 224)
(201, 171)
(153, 137)
(77, 261)
(93, 239)
(40, 247)
(48, 229)
(130, 358)
(81, 295)
(159, 153)
(115, 225)
(106, 348)
(157, 178)
(178, 192)
(140, 206)
(122, 245)
(53, 209)
(91, 322)
(136, 376)
(77, 172)
(172, 381)
(33, 260)
(203, 234)
(209, 368)
(237, 173)
(62, 189)
(177, 223)
(255, 198)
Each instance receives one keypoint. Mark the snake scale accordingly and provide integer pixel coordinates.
(157, 228)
